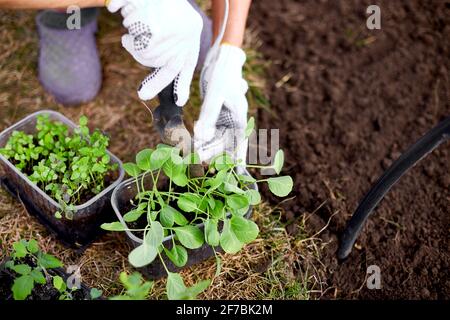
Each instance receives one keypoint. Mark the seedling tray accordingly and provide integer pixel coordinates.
(127, 191)
(84, 227)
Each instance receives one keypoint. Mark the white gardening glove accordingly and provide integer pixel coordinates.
(223, 117)
(164, 35)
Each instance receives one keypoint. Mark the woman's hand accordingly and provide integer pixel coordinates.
(164, 35)
(223, 116)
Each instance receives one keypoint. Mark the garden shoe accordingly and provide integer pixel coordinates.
(69, 64)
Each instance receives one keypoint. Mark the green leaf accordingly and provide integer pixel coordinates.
(212, 236)
(135, 214)
(95, 293)
(253, 197)
(38, 277)
(171, 168)
(154, 237)
(217, 211)
(179, 218)
(237, 202)
(228, 239)
(59, 283)
(166, 216)
(22, 287)
(189, 202)
(178, 255)
(223, 162)
(175, 287)
(143, 159)
(22, 269)
(246, 178)
(33, 246)
(47, 261)
(142, 255)
(250, 127)
(245, 230)
(177, 290)
(83, 121)
(131, 169)
(20, 250)
(278, 161)
(159, 157)
(190, 236)
(233, 188)
(180, 180)
(280, 186)
(113, 226)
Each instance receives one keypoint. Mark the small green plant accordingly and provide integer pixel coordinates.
(71, 167)
(219, 199)
(136, 288)
(31, 267)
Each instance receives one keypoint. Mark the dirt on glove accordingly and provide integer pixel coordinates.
(348, 101)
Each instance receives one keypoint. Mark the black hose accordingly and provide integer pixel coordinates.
(430, 141)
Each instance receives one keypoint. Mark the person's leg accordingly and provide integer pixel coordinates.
(69, 65)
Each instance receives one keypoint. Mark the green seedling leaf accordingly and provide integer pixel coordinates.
(95, 293)
(22, 269)
(190, 236)
(159, 157)
(20, 249)
(278, 161)
(223, 162)
(171, 169)
(178, 255)
(189, 202)
(177, 290)
(217, 212)
(131, 169)
(228, 239)
(142, 255)
(59, 283)
(33, 246)
(212, 236)
(237, 202)
(250, 127)
(113, 226)
(22, 287)
(166, 216)
(135, 214)
(253, 196)
(143, 159)
(180, 179)
(245, 230)
(47, 261)
(37, 276)
(246, 179)
(280, 186)
(154, 237)
(83, 121)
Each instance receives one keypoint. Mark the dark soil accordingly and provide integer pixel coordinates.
(40, 291)
(348, 101)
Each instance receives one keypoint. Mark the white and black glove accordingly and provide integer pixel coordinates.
(223, 117)
(164, 35)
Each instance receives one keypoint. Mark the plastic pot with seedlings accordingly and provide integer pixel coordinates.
(62, 173)
(175, 220)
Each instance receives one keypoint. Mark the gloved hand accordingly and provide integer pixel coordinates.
(164, 35)
(223, 116)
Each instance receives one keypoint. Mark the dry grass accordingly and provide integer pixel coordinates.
(276, 266)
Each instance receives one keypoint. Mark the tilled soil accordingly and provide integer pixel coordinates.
(348, 101)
